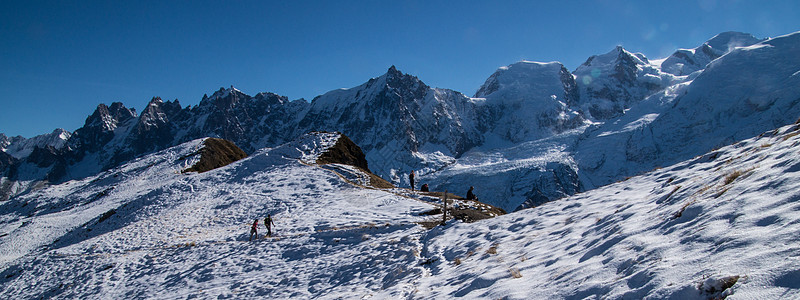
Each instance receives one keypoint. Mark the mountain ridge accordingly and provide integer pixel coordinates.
(402, 124)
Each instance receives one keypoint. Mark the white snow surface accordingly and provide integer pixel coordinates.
(721, 224)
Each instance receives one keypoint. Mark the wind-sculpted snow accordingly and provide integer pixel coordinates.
(721, 224)
(147, 230)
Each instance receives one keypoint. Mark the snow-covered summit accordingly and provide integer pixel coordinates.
(20, 147)
(613, 82)
(687, 61)
(531, 100)
(739, 95)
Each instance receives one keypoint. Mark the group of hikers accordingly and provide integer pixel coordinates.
(267, 222)
(424, 188)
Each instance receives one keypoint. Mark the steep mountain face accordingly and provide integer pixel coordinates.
(530, 100)
(154, 129)
(611, 83)
(100, 127)
(654, 119)
(397, 119)
(687, 61)
(250, 122)
(739, 95)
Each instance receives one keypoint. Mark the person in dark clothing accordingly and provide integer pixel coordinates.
(268, 222)
(411, 179)
(424, 188)
(470, 195)
(254, 229)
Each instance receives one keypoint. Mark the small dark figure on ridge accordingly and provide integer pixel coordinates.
(424, 188)
(411, 179)
(470, 195)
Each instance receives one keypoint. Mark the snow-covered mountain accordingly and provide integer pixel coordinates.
(530, 100)
(687, 61)
(659, 119)
(739, 95)
(20, 147)
(400, 123)
(721, 224)
(534, 132)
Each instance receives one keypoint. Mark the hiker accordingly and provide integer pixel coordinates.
(424, 188)
(254, 229)
(268, 222)
(470, 195)
(411, 179)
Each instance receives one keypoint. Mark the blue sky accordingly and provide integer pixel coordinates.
(59, 59)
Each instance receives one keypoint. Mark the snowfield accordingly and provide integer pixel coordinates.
(721, 224)
(146, 231)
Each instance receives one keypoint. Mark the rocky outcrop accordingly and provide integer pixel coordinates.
(216, 153)
(344, 152)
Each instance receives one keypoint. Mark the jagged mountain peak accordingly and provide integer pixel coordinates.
(107, 117)
(395, 79)
(224, 98)
(615, 57)
(610, 83)
(20, 147)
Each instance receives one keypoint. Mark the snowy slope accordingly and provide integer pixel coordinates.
(721, 224)
(689, 231)
(146, 230)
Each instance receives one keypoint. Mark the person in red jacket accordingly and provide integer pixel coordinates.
(254, 230)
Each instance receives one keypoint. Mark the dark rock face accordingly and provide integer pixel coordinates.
(99, 127)
(154, 129)
(216, 153)
(345, 152)
(252, 122)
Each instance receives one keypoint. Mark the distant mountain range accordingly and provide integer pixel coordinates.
(534, 132)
